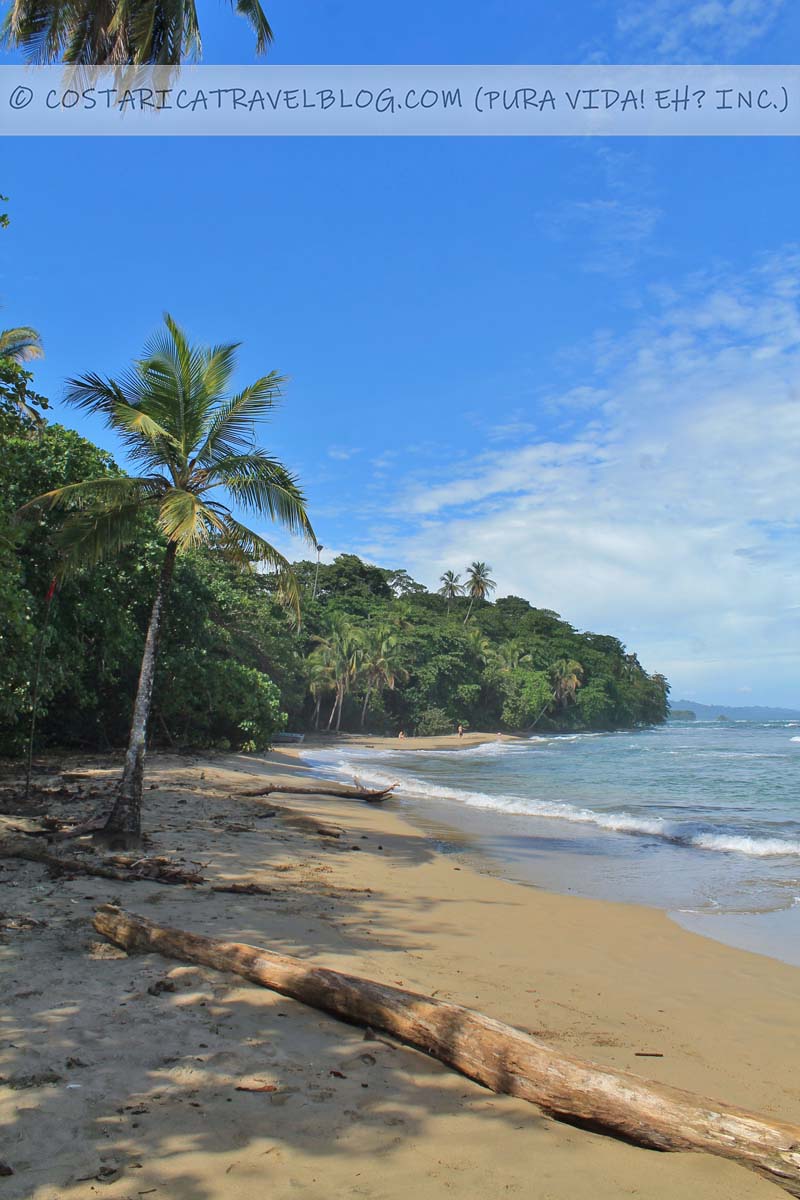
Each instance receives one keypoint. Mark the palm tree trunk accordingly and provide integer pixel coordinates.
(333, 709)
(469, 610)
(365, 706)
(339, 717)
(317, 708)
(124, 826)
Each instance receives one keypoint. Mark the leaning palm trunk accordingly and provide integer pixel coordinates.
(365, 706)
(176, 416)
(125, 823)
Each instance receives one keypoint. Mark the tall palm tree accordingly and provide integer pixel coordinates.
(566, 676)
(479, 585)
(338, 653)
(320, 680)
(116, 32)
(191, 438)
(378, 664)
(451, 588)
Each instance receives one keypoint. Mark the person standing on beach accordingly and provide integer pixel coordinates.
(461, 731)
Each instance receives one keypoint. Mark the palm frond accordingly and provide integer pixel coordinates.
(231, 429)
(244, 547)
(184, 519)
(88, 536)
(253, 12)
(108, 489)
(262, 484)
(20, 344)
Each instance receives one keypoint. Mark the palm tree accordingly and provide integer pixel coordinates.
(479, 644)
(20, 344)
(378, 664)
(116, 32)
(479, 585)
(510, 655)
(337, 654)
(179, 423)
(566, 676)
(320, 680)
(451, 588)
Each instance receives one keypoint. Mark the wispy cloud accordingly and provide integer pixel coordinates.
(614, 233)
(695, 30)
(670, 515)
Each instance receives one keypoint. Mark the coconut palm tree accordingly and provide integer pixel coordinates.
(378, 664)
(337, 654)
(191, 439)
(479, 585)
(566, 676)
(20, 344)
(116, 32)
(451, 588)
(510, 655)
(320, 680)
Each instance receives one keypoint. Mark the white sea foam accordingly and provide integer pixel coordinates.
(349, 763)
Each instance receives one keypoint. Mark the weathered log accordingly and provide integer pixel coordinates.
(371, 795)
(153, 870)
(496, 1055)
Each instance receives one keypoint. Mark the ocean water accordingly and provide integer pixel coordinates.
(701, 819)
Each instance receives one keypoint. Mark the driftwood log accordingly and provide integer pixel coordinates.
(153, 870)
(497, 1055)
(371, 795)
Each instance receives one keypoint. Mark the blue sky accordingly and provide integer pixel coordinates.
(576, 359)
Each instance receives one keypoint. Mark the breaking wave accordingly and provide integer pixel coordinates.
(351, 762)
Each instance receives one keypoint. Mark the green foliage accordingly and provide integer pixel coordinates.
(526, 697)
(139, 31)
(233, 668)
(226, 641)
(508, 665)
(434, 722)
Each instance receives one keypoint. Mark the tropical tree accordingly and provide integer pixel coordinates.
(191, 438)
(337, 655)
(451, 588)
(319, 677)
(117, 32)
(20, 344)
(378, 664)
(509, 656)
(479, 584)
(566, 676)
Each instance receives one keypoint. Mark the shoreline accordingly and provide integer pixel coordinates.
(603, 980)
(541, 852)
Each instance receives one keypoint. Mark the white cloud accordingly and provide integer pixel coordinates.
(672, 516)
(695, 30)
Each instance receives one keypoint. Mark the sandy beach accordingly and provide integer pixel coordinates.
(121, 1075)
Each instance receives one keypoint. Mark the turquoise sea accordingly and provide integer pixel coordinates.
(700, 818)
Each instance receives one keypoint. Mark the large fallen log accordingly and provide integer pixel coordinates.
(153, 870)
(371, 795)
(497, 1055)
